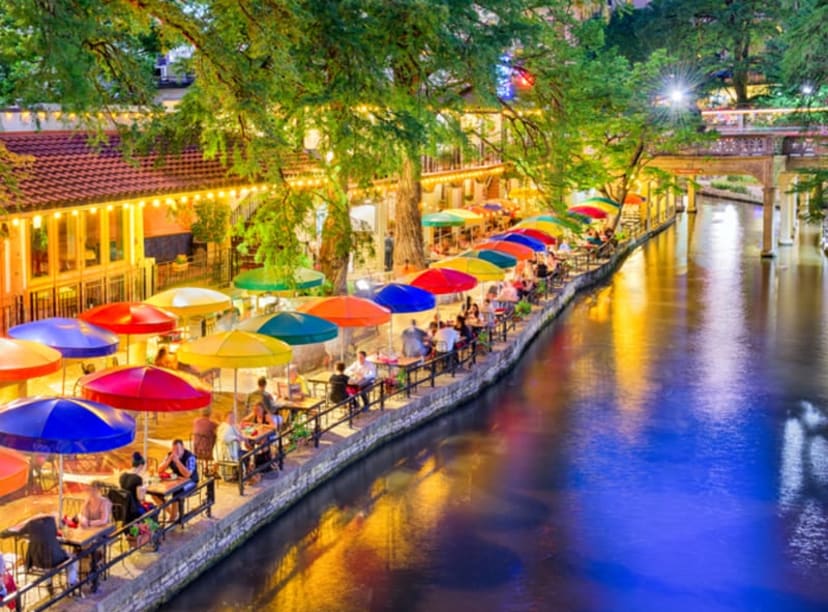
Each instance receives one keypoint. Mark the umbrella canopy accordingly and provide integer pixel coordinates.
(548, 227)
(190, 301)
(566, 223)
(480, 269)
(527, 241)
(292, 328)
(262, 279)
(484, 212)
(131, 318)
(349, 311)
(535, 234)
(518, 251)
(468, 217)
(235, 349)
(72, 338)
(493, 206)
(146, 389)
(441, 220)
(601, 202)
(578, 217)
(634, 198)
(64, 426)
(399, 298)
(441, 281)
(14, 471)
(23, 359)
(501, 260)
(589, 211)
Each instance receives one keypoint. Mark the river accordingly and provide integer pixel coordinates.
(662, 446)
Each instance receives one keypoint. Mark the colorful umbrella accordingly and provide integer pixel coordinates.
(480, 269)
(400, 299)
(23, 359)
(145, 389)
(493, 206)
(443, 281)
(589, 211)
(190, 301)
(501, 260)
(14, 471)
(538, 235)
(348, 311)
(601, 202)
(441, 220)
(553, 229)
(63, 426)
(527, 241)
(72, 338)
(131, 318)
(518, 251)
(292, 328)
(262, 279)
(235, 350)
(468, 217)
(579, 218)
(634, 198)
(566, 223)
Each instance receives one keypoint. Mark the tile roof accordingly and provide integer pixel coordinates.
(68, 170)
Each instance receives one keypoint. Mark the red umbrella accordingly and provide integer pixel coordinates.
(14, 471)
(348, 311)
(441, 281)
(145, 389)
(589, 211)
(131, 318)
(543, 237)
(24, 359)
(514, 249)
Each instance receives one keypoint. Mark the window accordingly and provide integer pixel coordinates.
(39, 248)
(92, 244)
(116, 234)
(67, 234)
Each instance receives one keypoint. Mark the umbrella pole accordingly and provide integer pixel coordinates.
(63, 382)
(391, 335)
(60, 488)
(127, 350)
(235, 393)
(146, 435)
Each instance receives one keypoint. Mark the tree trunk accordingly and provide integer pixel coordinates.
(336, 244)
(408, 248)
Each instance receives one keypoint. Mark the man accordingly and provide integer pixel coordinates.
(444, 340)
(184, 465)
(414, 341)
(362, 373)
(263, 396)
(204, 435)
(389, 251)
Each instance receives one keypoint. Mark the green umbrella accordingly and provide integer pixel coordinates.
(599, 199)
(569, 224)
(441, 220)
(501, 260)
(262, 279)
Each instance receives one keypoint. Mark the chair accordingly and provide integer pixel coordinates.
(44, 552)
(202, 446)
(42, 473)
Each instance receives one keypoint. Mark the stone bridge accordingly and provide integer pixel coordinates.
(773, 146)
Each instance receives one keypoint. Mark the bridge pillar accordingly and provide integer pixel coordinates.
(786, 215)
(691, 195)
(769, 196)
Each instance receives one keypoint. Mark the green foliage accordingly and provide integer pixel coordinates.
(729, 186)
(814, 183)
(212, 221)
(522, 308)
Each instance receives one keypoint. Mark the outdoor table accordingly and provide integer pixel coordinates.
(391, 365)
(262, 434)
(306, 405)
(169, 488)
(83, 538)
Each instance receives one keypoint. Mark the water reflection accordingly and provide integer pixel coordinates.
(652, 452)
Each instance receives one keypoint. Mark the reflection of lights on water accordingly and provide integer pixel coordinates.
(790, 468)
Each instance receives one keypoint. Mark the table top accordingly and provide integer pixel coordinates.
(400, 361)
(308, 403)
(262, 431)
(81, 537)
(164, 487)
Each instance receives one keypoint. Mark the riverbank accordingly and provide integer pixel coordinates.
(191, 552)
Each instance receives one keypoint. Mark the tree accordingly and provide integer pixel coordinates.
(805, 47)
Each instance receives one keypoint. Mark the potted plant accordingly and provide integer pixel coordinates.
(522, 309)
(180, 263)
(143, 533)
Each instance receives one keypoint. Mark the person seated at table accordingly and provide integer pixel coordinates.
(338, 384)
(164, 359)
(262, 395)
(592, 238)
(44, 550)
(563, 249)
(297, 388)
(414, 341)
(508, 295)
(97, 509)
(204, 435)
(362, 374)
(183, 464)
(259, 419)
(445, 339)
(132, 481)
(487, 313)
(473, 318)
(463, 330)
(229, 440)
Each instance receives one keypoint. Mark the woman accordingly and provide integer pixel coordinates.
(97, 510)
(297, 388)
(259, 417)
(164, 360)
(338, 384)
(473, 316)
(132, 482)
(228, 446)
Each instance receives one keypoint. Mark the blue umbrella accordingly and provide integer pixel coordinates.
(399, 298)
(72, 338)
(63, 426)
(292, 327)
(535, 245)
(493, 206)
(498, 258)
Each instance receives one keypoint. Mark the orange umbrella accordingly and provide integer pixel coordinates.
(514, 249)
(634, 198)
(348, 311)
(14, 471)
(24, 359)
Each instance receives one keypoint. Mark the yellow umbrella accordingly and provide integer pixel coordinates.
(481, 269)
(190, 301)
(553, 229)
(469, 217)
(234, 350)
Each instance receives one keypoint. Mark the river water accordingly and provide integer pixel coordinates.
(662, 446)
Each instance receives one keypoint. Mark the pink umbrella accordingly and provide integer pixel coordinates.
(589, 211)
(442, 281)
(145, 389)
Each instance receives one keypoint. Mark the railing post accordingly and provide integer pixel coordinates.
(281, 447)
(433, 370)
(408, 382)
(382, 395)
(317, 430)
(241, 475)
(211, 496)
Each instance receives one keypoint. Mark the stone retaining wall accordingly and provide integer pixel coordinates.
(177, 566)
